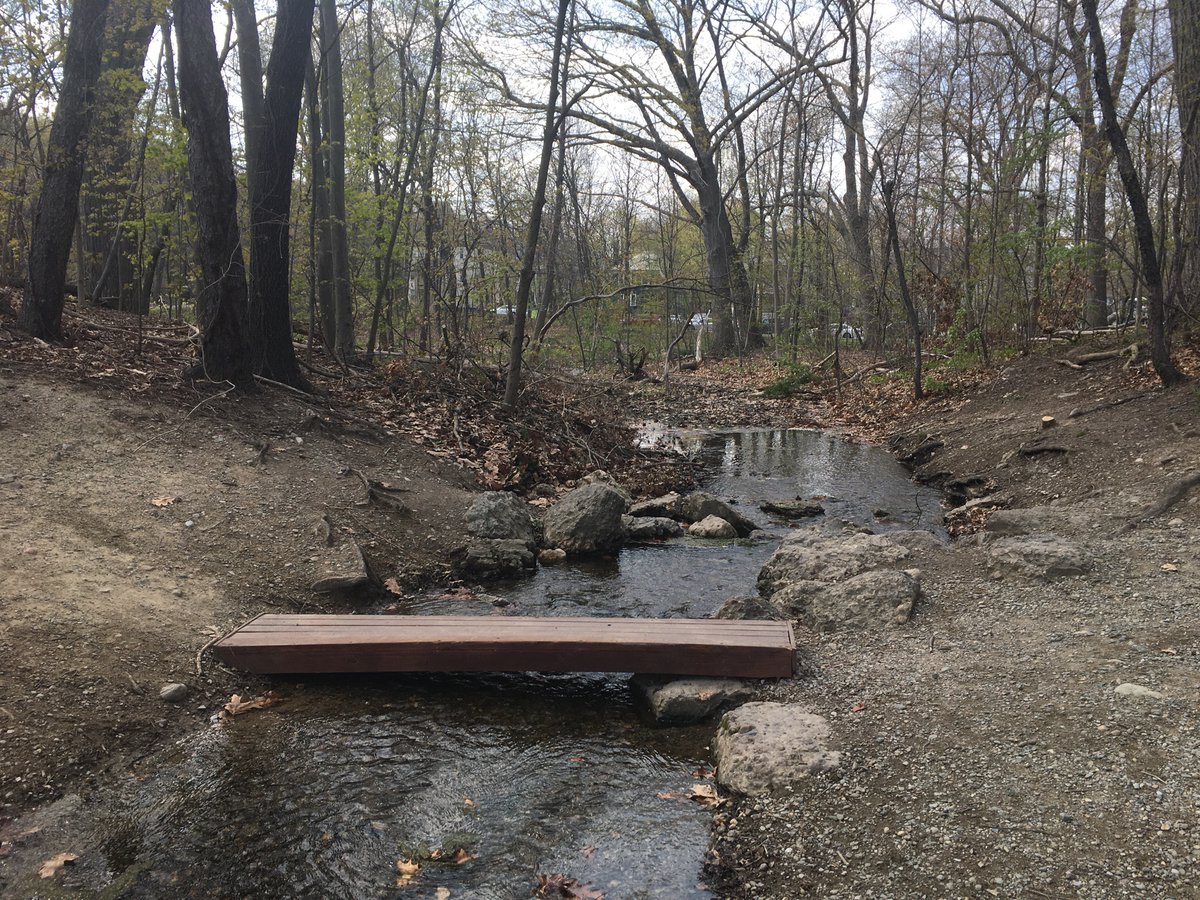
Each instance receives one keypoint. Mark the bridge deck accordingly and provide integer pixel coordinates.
(274, 644)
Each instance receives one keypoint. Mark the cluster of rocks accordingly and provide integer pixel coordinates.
(597, 517)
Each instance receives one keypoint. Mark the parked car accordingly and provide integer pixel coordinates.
(847, 332)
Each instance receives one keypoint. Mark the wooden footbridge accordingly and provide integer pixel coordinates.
(298, 644)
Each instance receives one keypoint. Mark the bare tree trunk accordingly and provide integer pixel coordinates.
(335, 134)
(1160, 352)
(320, 201)
(270, 319)
(1185, 30)
(250, 75)
(221, 301)
(550, 128)
(57, 208)
(914, 321)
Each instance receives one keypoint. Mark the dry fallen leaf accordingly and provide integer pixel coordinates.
(164, 500)
(705, 795)
(467, 801)
(461, 856)
(1169, 567)
(393, 587)
(236, 705)
(406, 870)
(51, 867)
(442, 893)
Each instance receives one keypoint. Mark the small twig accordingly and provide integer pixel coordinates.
(150, 440)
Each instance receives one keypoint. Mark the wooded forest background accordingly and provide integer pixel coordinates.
(589, 178)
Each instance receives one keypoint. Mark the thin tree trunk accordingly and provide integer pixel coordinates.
(57, 208)
(550, 128)
(335, 134)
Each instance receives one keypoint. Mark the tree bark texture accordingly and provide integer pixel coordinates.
(335, 135)
(270, 316)
(1185, 31)
(250, 78)
(1160, 353)
(221, 298)
(549, 130)
(57, 209)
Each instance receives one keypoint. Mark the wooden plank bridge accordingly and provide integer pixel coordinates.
(298, 644)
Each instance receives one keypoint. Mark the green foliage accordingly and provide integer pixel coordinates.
(796, 378)
(935, 387)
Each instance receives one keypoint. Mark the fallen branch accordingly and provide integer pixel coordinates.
(1078, 362)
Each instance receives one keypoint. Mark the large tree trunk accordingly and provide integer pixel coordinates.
(57, 208)
(221, 301)
(335, 134)
(270, 318)
(1185, 30)
(110, 173)
(726, 271)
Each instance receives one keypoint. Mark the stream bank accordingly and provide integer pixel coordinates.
(1032, 730)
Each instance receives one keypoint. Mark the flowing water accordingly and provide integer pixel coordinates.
(322, 795)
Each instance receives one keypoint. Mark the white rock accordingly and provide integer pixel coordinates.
(1129, 689)
(764, 747)
(712, 527)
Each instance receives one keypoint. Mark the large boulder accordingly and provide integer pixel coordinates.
(493, 559)
(650, 528)
(500, 515)
(601, 477)
(1036, 556)
(712, 527)
(762, 748)
(680, 701)
(700, 505)
(587, 520)
(817, 554)
(872, 599)
(666, 506)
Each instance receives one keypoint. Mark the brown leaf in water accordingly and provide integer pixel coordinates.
(406, 871)
(54, 864)
(705, 795)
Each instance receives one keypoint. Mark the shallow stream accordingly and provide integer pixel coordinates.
(526, 774)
